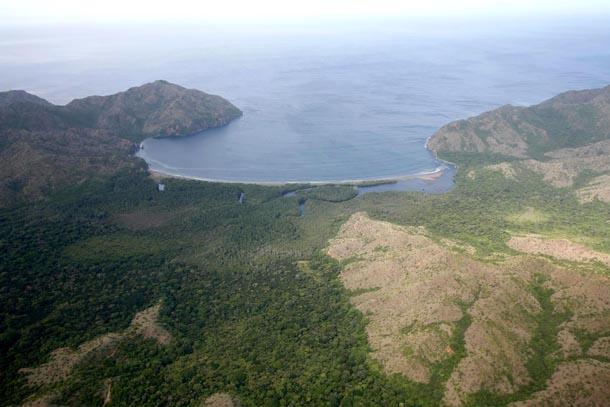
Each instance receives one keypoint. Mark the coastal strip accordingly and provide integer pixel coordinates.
(427, 176)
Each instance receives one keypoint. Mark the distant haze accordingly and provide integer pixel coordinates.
(65, 11)
(336, 95)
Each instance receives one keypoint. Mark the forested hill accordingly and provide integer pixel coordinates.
(43, 145)
(569, 120)
(154, 109)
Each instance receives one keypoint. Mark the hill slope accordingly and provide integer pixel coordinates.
(154, 109)
(493, 294)
(569, 120)
(566, 140)
(43, 145)
(471, 331)
(20, 96)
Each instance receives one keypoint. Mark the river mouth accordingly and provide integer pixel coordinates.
(440, 183)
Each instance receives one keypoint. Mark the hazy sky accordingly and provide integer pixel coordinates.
(41, 11)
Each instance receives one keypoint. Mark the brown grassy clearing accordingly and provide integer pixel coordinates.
(62, 361)
(146, 323)
(220, 400)
(414, 291)
(597, 188)
(561, 249)
(422, 290)
(581, 383)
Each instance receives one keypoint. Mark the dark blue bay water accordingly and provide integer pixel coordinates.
(322, 102)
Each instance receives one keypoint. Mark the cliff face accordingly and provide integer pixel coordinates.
(43, 145)
(570, 120)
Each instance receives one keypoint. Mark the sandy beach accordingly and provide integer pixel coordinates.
(432, 176)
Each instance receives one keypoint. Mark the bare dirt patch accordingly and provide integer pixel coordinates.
(44, 401)
(587, 297)
(459, 247)
(220, 400)
(416, 293)
(507, 170)
(569, 344)
(597, 188)
(562, 166)
(62, 361)
(108, 390)
(562, 172)
(562, 249)
(146, 323)
(565, 165)
(557, 173)
(580, 383)
(600, 347)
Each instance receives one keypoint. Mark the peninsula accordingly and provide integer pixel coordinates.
(45, 146)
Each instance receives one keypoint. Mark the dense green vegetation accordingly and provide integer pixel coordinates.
(245, 318)
(328, 193)
(263, 337)
(478, 211)
(237, 305)
(43, 146)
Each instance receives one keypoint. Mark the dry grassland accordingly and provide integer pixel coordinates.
(416, 293)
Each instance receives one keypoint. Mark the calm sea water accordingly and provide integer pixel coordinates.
(322, 102)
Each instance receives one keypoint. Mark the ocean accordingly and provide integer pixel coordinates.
(322, 101)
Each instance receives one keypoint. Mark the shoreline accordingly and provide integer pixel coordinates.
(158, 175)
(429, 176)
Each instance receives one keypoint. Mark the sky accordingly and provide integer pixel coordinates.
(71, 11)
